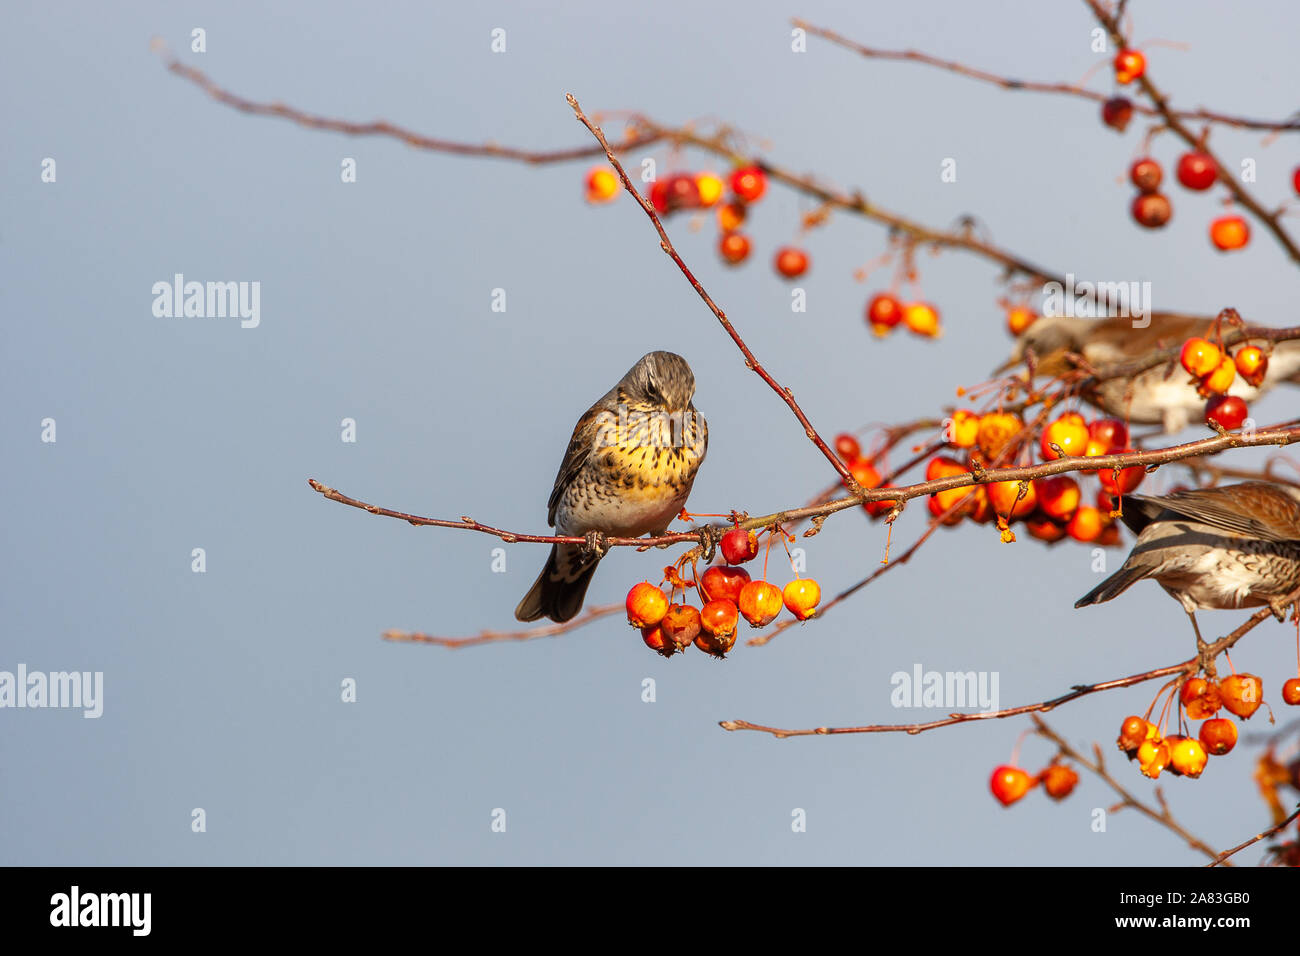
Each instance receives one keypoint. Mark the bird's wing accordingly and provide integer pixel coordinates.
(580, 445)
(1253, 509)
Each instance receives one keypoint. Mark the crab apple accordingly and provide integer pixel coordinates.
(1005, 498)
(1019, 319)
(646, 605)
(1069, 433)
(1129, 65)
(681, 625)
(864, 473)
(760, 603)
(749, 183)
(981, 512)
(739, 545)
(718, 619)
(1219, 735)
(1252, 364)
(965, 428)
(1196, 170)
(1085, 525)
(1127, 479)
(997, 430)
(731, 216)
(1058, 496)
(944, 467)
(1146, 174)
(659, 196)
(1187, 756)
(734, 248)
(1242, 694)
(1228, 411)
(922, 319)
(1200, 356)
(1132, 733)
(791, 262)
(1009, 784)
(602, 184)
(847, 447)
(1152, 757)
(1117, 112)
(1151, 210)
(1044, 528)
(1110, 433)
(1291, 692)
(878, 509)
(709, 188)
(1058, 780)
(941, 467)
(683, 193)
(721, 582)
(716, 645)
(1219, 380)
(1229, 232)
(884, 312)
(1200, 698)
(801, 597)
(654, 638)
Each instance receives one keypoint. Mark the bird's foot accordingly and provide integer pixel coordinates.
(596, 543)
(1279, 609)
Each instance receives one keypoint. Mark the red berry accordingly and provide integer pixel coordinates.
(1116, 112)
(1219, 735)
(1200, 357)
(681, 625)
(646, 605)
(1229, 233)
(1196, 170)
(1242, 694)
(1295, 180)
(718, 620)
(1110, 433)
(847, 447)
(884, 312)
(739, 546)
(1151, 210)
(734, 248)
(1129, 65)
(1291, 692)
(655, 640)
(1252, 364)
(659, 196)
(1228, 411)
(1058, 497)
(791, 262)
(1128, 480)
(723, 583)
(1009, 784)
(1146, 174)
(760, 603)
(749, 183)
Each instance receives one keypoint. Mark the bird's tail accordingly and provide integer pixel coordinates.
(1113, 586)
(559, 590)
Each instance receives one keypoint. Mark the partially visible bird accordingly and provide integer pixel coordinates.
(1150, 398)
(1228, 547)
(627, 472)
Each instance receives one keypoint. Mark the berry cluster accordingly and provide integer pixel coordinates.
(886, 311)
(1010, 783)
(1152, 209)
(1214, 369)
(726, 593)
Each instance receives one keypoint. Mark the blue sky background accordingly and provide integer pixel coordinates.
(222, 688)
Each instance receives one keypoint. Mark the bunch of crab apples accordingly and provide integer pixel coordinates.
(1051, 508)
(1009, 783)
(885, 312)
(1197, 172)
(726, 592)
(1214, 369)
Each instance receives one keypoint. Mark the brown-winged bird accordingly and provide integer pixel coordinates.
(627, 472)
(1228, 547)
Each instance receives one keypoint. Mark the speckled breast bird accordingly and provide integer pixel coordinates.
(627, 472)
(1230, 547)
(1154, 399)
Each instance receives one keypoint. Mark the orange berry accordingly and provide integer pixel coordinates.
(1044, 529)
(864, 473)
(1005, 498)
(709, 187)
(1200, 698)
(1219, 380)
(734, 248)
(883, 313)
(1058, 780)
(996, 431)
(731, 216)
(1229, 232)
(1200, 357)
(739, 546)
(791, 262)
(1009, 784)
(1058, 496)
(1153, 757)
(749, 183)
(1242, 694)
(602, 184)
(1128, 479)
(877, 509)
(718, 620)
(655, 640)
(681, 625)
(1218, 735)
(922, 318)
(1109, 433)
(1188, 756)
(1086, 524)
(1129, 65)
(1132, 733)
(963, 428)
(1291, 692)
(1019, 318)
(1069, 433)
(646, 605)
(760, 603)
(1252, 364)
(801, 596)
(723, 583)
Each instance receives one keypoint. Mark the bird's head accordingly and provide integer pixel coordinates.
(662, 379)
(1049, 338)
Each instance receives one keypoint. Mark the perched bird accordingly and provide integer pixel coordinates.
(1228, 547)
(627, 472)
(1152, 397)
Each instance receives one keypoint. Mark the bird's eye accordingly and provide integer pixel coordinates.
(653, 393)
